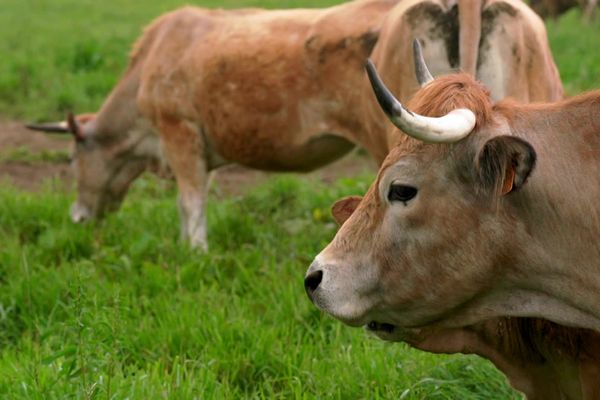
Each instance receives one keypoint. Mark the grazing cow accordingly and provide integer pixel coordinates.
(285, 90)
(482, 216)
(266, 89)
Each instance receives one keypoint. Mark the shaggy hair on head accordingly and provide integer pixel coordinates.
(444, 94)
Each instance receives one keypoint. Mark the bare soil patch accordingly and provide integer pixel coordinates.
(30, 175)
(229, 180)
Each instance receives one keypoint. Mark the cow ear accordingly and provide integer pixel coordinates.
(343, 208)
(504, 163)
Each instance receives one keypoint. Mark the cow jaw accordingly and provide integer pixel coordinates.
(354, 302)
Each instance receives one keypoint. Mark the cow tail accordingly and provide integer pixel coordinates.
(469, 34)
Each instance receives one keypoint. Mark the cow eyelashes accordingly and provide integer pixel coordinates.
(401, 193)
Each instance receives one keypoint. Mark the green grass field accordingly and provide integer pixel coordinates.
(121, 309)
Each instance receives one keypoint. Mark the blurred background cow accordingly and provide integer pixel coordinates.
(284, 90)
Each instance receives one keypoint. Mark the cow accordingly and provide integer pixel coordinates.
(478, 235)
(265, 89)
(284, 90)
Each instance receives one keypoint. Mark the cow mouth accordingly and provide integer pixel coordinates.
(392, 333)
(382, 327)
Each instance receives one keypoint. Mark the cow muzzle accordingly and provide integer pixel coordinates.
(80, 213)
(331, 288)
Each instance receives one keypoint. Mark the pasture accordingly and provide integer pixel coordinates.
(122, 309)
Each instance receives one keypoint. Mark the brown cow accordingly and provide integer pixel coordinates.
(266, 89)
(284, 90)
(457, 235)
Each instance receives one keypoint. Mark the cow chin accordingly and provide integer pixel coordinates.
(340, 307)
(347, 313)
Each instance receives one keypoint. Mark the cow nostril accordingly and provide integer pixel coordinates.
(313, 280)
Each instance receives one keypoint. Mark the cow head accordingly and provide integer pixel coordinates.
(104, 165)
(433, 229)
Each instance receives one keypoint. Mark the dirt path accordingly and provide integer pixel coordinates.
(28, 159)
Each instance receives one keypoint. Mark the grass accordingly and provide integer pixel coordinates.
(25, 155)
(574, 46)
(122, 309)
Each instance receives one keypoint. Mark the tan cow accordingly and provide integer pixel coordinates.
(266, 89)
(485, 214)
(285, 90)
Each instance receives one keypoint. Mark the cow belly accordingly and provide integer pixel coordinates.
(314, 153)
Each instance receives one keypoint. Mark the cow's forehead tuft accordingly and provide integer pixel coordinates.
(450, 92)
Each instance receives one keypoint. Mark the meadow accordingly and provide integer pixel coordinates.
(122, 309)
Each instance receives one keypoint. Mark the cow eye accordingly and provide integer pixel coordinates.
(401, 193)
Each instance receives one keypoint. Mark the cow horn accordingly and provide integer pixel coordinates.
(421, 70)
(450, 128)
(69, 126)
(50, 127)
(75, 128)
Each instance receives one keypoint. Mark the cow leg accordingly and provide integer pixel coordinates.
(184, 150)
(589, 9)
(193, 217)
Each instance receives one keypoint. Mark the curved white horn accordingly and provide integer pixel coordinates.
(450, 128)
(421, 70)
(70, 126)
(50, 127)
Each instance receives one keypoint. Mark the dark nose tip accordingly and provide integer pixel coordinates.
(312, 281)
